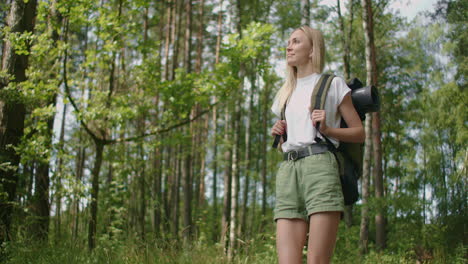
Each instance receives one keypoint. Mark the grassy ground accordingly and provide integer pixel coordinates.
(255, 251)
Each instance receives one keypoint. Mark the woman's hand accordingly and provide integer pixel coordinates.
(279, 128)
(319, 116)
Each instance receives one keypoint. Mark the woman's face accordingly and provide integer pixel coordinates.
(299, 49)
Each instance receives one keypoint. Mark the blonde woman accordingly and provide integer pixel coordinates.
(309, 199)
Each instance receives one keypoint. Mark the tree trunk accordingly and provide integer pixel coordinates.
(305, 12)
(364, 233)
(58, 201)
(81, 154)
(175, 192)
(142, 183)
(371, 66)
(157, 156)
(94, 194)
(346, 34)
(346, 41)
(80, 162)
(40, 225)
(141, 149)
(227, 183)
(364, 228)
(263, 151)
(380, 217)
(201, 27)
(215, 175)
(235, 166)
(203, 144)
(188, 37)
(215, 234)
(21, 19)
(176, 24)
(41, 207)
(157, 190)
(168, 179)
(248, 132)
(187, 231)
(220, 30)
(168, 39)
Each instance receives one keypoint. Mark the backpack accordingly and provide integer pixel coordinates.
(348, 155)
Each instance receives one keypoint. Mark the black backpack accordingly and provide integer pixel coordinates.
(348, 155)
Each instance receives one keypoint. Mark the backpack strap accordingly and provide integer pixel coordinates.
(285, 136)
(317, 100)
(320, 91)
(283, 117)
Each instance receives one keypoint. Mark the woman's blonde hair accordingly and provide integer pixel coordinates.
(318, 61)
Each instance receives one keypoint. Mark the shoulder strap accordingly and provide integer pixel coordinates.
(283, 117)
(283, 111)
(317, 101)
(285, 135)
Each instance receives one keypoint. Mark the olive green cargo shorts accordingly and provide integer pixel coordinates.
(307, 186)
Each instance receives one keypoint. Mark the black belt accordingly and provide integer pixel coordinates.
(313, 149)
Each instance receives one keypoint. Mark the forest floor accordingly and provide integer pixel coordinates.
(261, 252)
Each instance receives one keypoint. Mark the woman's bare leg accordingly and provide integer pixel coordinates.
(290, 240)
(323, 228)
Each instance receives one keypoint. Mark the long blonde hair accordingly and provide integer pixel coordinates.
(318, 61)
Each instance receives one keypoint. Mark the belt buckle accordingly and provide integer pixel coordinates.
(291, 156)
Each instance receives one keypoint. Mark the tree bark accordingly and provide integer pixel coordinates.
(248, 132)
(157, 190)
(41, 207)
(58, 201)
(227, 183)
(157, 156)
(220, 30)
(234, 221)
(371, 66)
(215, 233)
(99, 147)
(176, 25)
(178, 175)
(81, 153)
(142, 183)
(346, 41)
(263, 150)
(364, 228)
(188, 37)
(202, 198)
(21, 19)
(346, 34)
(305, 12)
(187, 231)
(201, 28)
(168, 39)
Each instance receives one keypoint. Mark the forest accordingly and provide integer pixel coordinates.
(138, 131)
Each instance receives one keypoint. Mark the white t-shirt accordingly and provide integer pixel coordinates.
(300, 130)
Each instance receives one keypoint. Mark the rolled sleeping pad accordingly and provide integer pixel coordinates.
(365, 100)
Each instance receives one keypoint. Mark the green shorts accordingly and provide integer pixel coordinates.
(307, 186)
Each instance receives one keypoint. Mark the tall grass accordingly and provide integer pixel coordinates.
(258, 250)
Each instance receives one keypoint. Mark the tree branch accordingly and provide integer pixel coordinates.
(161, 130)
(67, 89)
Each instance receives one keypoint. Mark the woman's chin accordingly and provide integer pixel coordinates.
(291, 63)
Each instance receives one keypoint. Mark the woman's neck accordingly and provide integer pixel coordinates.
(305, 70)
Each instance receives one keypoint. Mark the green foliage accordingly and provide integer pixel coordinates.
(116, 78)
(259, 250)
